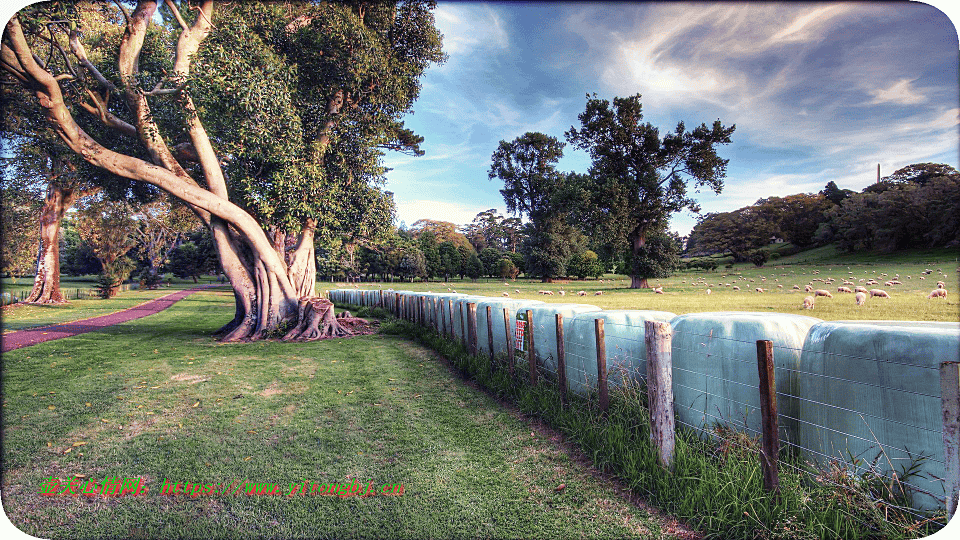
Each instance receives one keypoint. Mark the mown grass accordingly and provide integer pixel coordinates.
(159, 399)
(23, 316)
(685, 292)
(715, 483)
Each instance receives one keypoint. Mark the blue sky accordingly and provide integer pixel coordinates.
(818, 92)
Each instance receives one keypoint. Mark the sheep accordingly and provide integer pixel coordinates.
(861, 289)
(807, 288)
(563, 293)
(581, 293)
(658, 290)
(598, 293)
(516, 291)
(736, 288)
(844, 289)
(808, 302)
(708, 291)
(759, 290)
(937, 293)
(505, 293)
(821, 292)
(879, 292)
(941, 285)
(861, 297)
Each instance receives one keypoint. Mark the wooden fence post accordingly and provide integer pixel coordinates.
(463, 325)
(508, 336)
(601, 365)
(561, 362)
(531, 354)
(396, 304)
(770, 444)
(657, 340)
(950, 399)
(490, 331)
(472, 328)
(380, 299)
(450, 317)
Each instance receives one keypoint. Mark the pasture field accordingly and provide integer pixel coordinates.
(685, 292)
(158, 399)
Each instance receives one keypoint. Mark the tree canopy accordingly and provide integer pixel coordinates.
(637, 178)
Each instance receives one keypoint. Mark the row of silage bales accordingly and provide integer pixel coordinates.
(716, 379)
(460, 316)
(497, 305)
(626, 350)
(443, 309)
(543, 323)
(872, 389)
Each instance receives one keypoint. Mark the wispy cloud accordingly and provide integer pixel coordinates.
(901, 92)
(454, 212)
(467, 28)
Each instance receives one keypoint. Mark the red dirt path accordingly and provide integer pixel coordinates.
(32, 336)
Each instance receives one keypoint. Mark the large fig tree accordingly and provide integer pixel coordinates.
(268, 120)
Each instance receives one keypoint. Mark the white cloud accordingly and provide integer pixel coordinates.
(901, 93)
(467, 28)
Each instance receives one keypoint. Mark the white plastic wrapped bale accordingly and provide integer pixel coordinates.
(872, 385)
(460, 306)
(497, 306)
(443, 302)
(545, 329)
(716, 378)
(428, 307)
(624, 340)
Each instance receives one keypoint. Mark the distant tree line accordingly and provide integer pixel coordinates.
(916, 206)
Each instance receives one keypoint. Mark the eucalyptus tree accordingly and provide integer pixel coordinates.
(265, 119)
(637, 178)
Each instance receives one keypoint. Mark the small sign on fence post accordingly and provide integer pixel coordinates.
(531, 352)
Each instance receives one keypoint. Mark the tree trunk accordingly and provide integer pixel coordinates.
(46, 285)
(638, 282)
(303, 263)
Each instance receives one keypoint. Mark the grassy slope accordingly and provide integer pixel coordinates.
(684, 294)
(158, 399)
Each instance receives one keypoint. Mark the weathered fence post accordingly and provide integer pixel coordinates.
(472, 328)
(490, 332)
(450, 317)
(561, 362)
(463, 325)
(657, 340)
(950, 399)
(506, 326)
(380, 299)
(396, 304)
(434, 308)
(601, 365)
(531, 354)
(770, 444)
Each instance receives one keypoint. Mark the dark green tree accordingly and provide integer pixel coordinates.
(637, 178)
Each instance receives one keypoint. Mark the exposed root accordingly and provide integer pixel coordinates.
(316, 321)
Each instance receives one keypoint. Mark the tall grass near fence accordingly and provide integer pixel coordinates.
(715, 482)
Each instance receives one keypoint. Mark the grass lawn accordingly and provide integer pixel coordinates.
(22, 316)
(685, 292)
(158, 399)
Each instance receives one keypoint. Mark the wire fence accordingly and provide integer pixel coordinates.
(854, 402)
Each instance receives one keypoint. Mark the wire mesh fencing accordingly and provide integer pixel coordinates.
(857, 405)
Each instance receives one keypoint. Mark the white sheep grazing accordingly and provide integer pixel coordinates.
(708, 291)
(548, 292)
(821, 292)
(598, 293)
(563, 293)
(808, 288)
(658, 290)
(938, 293)
(581, 293)
(516, 291)
(505, 293)
(941, 285)
(759, 290)
(879, 292)
(808, 302)
(796, 287)
(505, 284)
(736, 288)
(861, 298)
(844, 289)
(860, 288)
